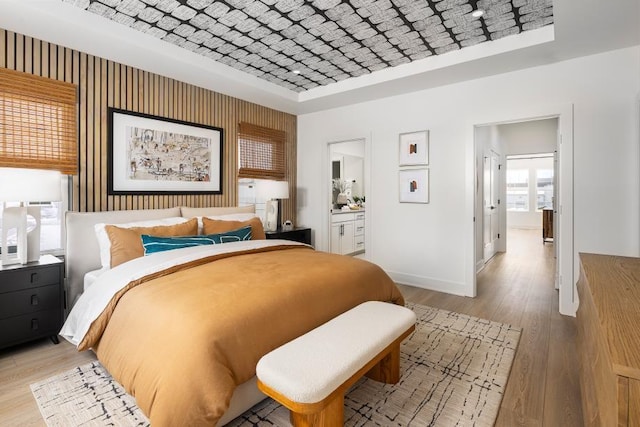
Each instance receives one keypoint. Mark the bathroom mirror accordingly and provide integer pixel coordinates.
(347, 165)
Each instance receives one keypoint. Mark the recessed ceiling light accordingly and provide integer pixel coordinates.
(296, 71)
(477, 13)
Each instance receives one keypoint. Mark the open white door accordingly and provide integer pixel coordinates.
(556, 218)
(491, 211)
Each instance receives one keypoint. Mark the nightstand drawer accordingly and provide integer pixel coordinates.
(30, 301)
(23, 328)
(25, 278)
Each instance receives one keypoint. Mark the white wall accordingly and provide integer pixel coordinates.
(351, 148)
(425, 244)
(530, 137)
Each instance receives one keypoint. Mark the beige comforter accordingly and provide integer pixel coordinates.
(181, 343)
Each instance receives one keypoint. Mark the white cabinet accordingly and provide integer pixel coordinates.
(358, 232)
(347, 233)
(342, 237)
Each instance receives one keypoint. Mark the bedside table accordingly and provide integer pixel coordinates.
(298, 234)
(31, 301)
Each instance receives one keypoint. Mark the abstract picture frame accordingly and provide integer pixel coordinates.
(414, 185)
(151, 155)
(414, 148)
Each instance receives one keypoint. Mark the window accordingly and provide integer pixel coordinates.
(37, 123)
(544, 188)
(38, 130)
(51, 222)
(261, 152)
(247, 195)
(517, 189)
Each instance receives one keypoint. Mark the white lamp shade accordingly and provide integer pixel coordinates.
(273, 189)
(30, 185)
(280, 190)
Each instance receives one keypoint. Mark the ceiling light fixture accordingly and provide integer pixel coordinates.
(477, 13)
(296, 71)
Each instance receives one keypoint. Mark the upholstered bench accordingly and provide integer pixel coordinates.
(311, 374)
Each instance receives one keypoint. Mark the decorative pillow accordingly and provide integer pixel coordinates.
(127, 245)
(153, 244)
(105, 244)
(228, 217)
(188, 212)
(214, 226)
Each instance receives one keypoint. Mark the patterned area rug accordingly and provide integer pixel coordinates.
(454, 372)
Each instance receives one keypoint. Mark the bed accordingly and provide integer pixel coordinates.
(182, 330)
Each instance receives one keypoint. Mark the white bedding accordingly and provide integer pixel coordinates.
(95, 299)
(91, 277)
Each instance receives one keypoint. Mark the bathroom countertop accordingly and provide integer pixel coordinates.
(340, 211)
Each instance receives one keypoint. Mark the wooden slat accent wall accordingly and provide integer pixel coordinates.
(103, 83)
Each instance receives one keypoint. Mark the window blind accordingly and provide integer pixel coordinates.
(38, 123)
(261, 152)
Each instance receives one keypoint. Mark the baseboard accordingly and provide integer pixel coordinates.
(480, 266)
(428, 283)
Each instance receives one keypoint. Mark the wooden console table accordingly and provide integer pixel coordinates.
(608, 341)
(547, 225)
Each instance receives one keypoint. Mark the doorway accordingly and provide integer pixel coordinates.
(527, 138)
(530, 199)
(347, 210)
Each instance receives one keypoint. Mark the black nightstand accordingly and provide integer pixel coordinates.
(298, 234)
(31, 301)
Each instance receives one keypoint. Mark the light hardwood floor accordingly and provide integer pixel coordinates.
(515, 288)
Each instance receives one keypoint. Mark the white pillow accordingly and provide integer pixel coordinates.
(105, 243)
(229, 217)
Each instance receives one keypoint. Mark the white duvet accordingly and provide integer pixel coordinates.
(95, 299)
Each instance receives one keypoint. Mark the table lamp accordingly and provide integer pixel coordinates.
(25, 185)
(273, 191)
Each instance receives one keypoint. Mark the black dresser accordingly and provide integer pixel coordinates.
(31, 301)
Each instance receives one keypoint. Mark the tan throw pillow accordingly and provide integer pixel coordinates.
(126, 243)
(215, 226)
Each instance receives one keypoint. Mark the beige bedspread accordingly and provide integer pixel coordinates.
(182, 342)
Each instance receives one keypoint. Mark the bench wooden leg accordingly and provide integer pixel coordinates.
(331, 416)
(387, 370)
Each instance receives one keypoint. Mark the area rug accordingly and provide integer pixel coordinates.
(454, 372)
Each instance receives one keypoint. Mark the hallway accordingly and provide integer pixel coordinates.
(517, 287)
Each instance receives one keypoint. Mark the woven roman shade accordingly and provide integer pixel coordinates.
(261, 152)
(38, 118)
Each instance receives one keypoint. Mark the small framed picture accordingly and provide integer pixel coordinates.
(414, 148)
(414, 185)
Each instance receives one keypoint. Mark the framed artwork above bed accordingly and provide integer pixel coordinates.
(155, 155)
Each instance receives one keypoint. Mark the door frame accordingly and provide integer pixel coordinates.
(567, 258)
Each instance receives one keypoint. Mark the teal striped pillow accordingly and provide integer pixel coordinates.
(153, 244)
